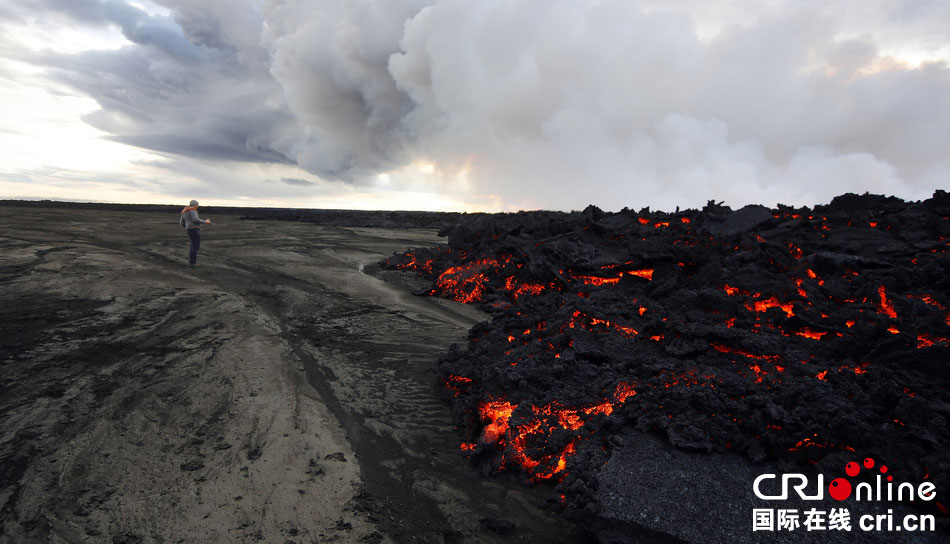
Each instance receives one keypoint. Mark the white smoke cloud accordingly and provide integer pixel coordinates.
(541, 103)
(559, 103)
(330, 59)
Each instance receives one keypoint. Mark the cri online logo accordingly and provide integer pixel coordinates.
(841, 488)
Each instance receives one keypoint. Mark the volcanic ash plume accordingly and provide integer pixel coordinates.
(533, 104)
(553, 103)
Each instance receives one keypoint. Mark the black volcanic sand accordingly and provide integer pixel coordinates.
(336, 218)
(274, 393)
(653, 364)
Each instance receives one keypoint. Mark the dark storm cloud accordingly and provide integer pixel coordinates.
(298, 182)
(552, 103)
(203, 147)
(194, 94)
(192, 110)
(136, 25)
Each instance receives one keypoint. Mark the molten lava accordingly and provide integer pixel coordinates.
(496, 414)
(771, 302)
(719, 329)
(886, 306)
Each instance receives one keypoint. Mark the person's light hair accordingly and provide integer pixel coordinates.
(193, 203)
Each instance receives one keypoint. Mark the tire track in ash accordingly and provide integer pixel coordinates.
(370, 350)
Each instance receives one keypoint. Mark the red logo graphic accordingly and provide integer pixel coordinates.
(840, 488)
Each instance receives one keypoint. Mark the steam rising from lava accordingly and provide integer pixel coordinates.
(554, 103)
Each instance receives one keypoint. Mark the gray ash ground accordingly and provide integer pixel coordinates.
(273, 393)
(277, 392)
(794, 340)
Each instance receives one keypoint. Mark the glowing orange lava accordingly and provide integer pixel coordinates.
(886, 306)
(497, 413)
(771, 302)
(808, 333)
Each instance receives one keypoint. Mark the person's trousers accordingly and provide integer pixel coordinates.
(195, 236)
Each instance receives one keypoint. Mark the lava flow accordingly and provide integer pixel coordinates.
(784, 334)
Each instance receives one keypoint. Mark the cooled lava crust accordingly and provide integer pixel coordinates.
(785, 335)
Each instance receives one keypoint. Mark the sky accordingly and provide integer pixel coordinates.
(455, 105)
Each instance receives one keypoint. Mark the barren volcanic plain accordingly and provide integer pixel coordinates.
(273, 393)
(588, 377)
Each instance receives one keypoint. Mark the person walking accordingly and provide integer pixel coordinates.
(192, 224)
